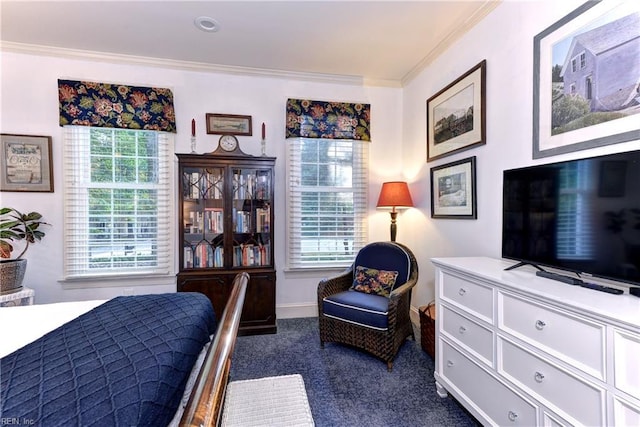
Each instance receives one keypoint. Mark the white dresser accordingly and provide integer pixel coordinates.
(517, 349)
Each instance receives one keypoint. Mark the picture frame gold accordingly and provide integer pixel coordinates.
(26, 163)
(228, 124)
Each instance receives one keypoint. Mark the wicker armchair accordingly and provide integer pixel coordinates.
(374, 323)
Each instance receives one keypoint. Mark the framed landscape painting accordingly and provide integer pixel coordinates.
(456, 115)
(586, 79)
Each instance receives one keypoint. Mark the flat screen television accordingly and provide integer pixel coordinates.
(579, 215)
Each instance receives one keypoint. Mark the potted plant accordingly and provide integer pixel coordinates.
(16, 226)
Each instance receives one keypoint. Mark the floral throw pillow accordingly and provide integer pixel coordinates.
(372, 281)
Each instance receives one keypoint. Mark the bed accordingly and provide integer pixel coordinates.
(137, 360)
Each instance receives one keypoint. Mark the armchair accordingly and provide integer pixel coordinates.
(367, 305)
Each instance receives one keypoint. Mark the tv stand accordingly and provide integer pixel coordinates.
(522, 264)
(516, 349)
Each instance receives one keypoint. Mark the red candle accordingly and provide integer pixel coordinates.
(263, 130)
(193, 127)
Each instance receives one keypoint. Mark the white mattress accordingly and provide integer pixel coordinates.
(24, 324)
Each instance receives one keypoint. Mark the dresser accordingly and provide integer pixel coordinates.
(517, 349)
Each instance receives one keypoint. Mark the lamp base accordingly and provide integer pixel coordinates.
(394, 227)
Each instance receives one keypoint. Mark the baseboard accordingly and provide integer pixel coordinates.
(415, 316)
(292, 311)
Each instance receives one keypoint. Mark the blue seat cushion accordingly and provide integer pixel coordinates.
(368, 310)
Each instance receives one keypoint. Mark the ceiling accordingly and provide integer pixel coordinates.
(379, 42)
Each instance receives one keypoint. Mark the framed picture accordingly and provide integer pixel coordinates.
(25, 163)
(456, 115)
(228, 124)
(453, 190)
(586, 91)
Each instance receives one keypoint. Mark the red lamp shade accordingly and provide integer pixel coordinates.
(395, 195)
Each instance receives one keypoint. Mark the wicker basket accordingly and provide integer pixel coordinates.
(428, 328)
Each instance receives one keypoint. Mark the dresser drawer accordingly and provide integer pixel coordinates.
(625, 413)
(472, 297)
(577, 341)
(627, 361)
(560, 389)
(468, 333)
(483, 391)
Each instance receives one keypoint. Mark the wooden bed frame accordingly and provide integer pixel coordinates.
(207, 398)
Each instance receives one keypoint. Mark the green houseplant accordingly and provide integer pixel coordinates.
(16, 226)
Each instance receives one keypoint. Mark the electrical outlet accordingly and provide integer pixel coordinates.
(127, 291)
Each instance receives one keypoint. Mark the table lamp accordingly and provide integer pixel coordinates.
(394, 195)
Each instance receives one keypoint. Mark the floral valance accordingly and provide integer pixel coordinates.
(333, 120)
(116, 106)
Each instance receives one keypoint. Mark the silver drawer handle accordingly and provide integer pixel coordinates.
(449, 363)
(540, 325)
(462, 291)
(462, 329)
(538, 377)
(512, 416)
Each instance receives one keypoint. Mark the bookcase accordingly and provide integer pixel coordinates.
(225, 227)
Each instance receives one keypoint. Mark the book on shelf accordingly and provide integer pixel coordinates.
(263, 219)
(214, 220)
(251, 255)
(203, 256)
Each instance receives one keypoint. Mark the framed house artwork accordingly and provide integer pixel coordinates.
(453, 190)
(456, 115)
(25, 163)
(586, 89)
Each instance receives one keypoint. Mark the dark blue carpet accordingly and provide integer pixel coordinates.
(347, 387)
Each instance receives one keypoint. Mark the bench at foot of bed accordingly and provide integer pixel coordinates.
(280, 400)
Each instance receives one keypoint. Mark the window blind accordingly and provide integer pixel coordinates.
(117, 202)
(327, 201)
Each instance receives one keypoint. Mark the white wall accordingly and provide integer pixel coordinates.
(505, 39)
(30, 106)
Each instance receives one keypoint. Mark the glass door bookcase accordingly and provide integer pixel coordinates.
(225, 226)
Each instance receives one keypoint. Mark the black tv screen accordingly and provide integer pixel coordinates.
(580, 215)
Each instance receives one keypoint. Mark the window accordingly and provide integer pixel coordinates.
(117, 202)
(583, 60)
(327, 201)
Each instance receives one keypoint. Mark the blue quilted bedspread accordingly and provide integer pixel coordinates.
(124, 363)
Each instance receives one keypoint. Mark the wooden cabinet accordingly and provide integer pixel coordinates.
(517, 349)
(225, 226)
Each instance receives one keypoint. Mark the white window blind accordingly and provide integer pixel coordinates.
(327, 201)
(575, 223)
(117, 202)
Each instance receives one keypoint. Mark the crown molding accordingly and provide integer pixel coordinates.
(41, 50)
(452, 37)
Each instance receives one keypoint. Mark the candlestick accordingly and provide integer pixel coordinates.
(193, 145)
(193, 128)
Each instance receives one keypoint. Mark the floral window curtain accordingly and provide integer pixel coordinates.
(333, 120)
(116, 106)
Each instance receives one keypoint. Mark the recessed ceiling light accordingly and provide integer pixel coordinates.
(207, 24)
